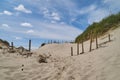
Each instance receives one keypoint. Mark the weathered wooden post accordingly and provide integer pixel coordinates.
(109, 37)
(48, 42)
(90, 41)
(29, 45)
(96, 42)
(77, 48)
(82, 47)
(58, 42)
(12, 45)
(22, 49)
(71, 51)
(51, 41)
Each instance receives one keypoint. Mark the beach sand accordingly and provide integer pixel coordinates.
(99, 64)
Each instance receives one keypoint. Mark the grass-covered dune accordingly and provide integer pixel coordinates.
(3, 43)
(100, 28)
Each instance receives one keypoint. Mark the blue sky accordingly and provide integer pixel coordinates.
(43, 20)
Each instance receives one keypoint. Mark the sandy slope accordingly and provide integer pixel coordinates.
(100, 64)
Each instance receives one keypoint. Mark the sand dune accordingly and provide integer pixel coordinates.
(100, 64)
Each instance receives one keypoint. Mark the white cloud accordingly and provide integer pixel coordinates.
(53, 22)
(5, 26)
(26, 24)
(55, 31)
(88, 9)
(30, 31)
(63, 8)
(97, 15)
(68, 5)
(22, 9)
(7, 13)
(55, 16)
(94, 13)
(18, 38)
(45, 11)
(112, 5)
(51, 15)
(62, 22)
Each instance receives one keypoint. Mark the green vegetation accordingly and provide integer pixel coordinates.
(100, 28)
(5, 42)
(0, 47)
(43, 44)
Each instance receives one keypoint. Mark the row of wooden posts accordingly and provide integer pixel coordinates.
(96, 39)
(29, 49)
(12, 46)
(53, 41)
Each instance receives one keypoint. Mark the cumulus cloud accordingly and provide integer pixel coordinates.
(5, 26)
(7, 13)
(30, 31)
(51, 15)
(55, 16)
(26, 24)
(22, 9)
(45, 11)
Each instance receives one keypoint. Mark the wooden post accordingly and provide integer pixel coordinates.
(12, 45)
(82, 47)
(58, 42)
(109, 37)
(77, 48)
(48, 42)
(96, 42)
(22, 49)
(90, 41)
(51, 41)
(29, 45)
(71, 51)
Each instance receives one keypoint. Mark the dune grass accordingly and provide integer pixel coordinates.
(100, 28)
